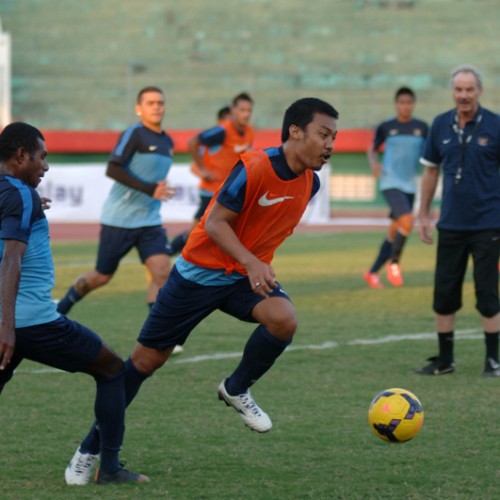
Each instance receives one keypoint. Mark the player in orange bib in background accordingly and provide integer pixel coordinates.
(215, 152)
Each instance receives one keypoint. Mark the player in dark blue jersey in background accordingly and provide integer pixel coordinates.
(130, 216)
(403, 138)
(30, 326)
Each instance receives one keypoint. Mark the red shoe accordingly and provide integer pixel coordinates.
(372, 279)
(394, 275)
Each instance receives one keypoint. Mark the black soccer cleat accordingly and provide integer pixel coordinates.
(436, 366)
(491, 368)
(123, 476)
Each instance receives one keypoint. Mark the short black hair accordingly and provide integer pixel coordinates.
(302, 112)
(144, 90)
(404, 91)
(19, 135)
(223, 112)
(243, 96)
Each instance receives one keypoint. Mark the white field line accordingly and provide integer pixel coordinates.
(356, 221)
(468, 334)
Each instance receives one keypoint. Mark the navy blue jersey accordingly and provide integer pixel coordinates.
(470, 164)
(213, 137)
(22, 219)
(146, 155)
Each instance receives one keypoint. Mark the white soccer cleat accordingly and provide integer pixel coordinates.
(79, 469)
(178, 349)
(253, 416)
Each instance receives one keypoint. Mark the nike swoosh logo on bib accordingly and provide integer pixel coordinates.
(264, 201)
(240, 148)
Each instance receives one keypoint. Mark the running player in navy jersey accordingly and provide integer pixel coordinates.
(130, 216)
(403, 137)
(30, 326)
(226, 263)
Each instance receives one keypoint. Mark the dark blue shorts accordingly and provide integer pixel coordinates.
(399, 202)
(116, 242)
(63, 344)
(204, 202)
(181, 304)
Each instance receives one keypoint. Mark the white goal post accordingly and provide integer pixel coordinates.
(5, 78)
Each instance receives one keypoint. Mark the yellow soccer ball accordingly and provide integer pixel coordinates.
(395, 415)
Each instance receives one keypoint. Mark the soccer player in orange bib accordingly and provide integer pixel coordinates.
(226, 263)
(215, 152)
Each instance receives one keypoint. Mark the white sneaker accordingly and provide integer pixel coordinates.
(178, 349)
(252, 415)
(79, 470)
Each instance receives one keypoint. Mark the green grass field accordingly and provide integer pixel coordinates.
(350, 345)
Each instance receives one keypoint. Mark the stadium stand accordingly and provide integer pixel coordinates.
(78, 65)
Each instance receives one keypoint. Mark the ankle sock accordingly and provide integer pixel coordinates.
(110, 416)
(397, 246)
(68, 301)
(491, 341)
(382, 257)
(133, 380)
(260, 353)
(446, 341)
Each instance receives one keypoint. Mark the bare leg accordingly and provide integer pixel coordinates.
(158, 268)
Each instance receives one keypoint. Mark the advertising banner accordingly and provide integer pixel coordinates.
(78, 192)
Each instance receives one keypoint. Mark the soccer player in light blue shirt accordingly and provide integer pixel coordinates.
(130, 218)
(403, 138)
(30, 326)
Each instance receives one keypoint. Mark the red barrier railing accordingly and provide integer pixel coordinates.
(103, 141)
